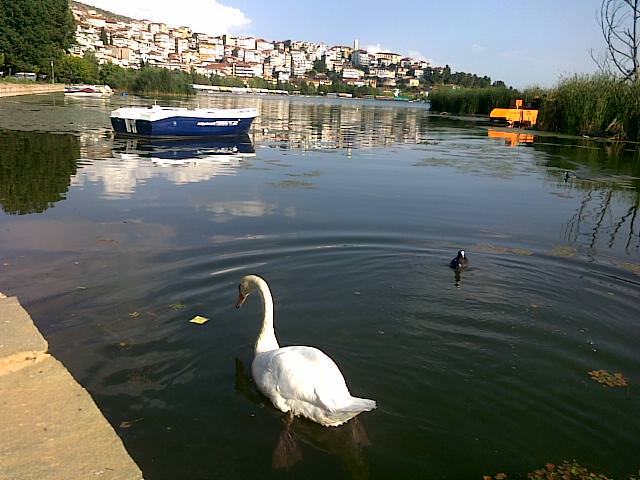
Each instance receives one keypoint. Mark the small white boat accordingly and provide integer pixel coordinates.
(157, 121)
(88, 90)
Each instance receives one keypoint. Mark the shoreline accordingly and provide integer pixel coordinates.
(51, 426)
(17, 89)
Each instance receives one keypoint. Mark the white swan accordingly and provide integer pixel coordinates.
(299, 380)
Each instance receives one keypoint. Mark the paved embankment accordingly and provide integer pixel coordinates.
(50, 428)
(14, 89)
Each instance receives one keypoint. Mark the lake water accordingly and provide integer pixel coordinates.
(352, 210)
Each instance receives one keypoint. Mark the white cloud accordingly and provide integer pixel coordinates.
(417, 55)
(377, 48)
(204, 16)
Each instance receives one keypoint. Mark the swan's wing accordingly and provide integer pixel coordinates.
(305, 374)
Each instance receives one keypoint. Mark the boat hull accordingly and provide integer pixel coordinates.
(182, 127)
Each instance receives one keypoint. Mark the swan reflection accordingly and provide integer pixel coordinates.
(345, 442)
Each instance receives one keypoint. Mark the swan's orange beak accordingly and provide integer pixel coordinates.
(241, 299)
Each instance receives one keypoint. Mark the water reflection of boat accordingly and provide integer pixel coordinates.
(512, 139)
(345, 442)
(184, 151)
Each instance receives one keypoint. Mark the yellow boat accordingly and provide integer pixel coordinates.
(516, 117)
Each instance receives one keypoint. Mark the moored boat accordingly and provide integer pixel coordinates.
(88, 90)
(157, 121)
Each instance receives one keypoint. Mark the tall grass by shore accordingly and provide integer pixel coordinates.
(473, 101)
(596, 105)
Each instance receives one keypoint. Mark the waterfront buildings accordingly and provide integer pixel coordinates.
(131, 43)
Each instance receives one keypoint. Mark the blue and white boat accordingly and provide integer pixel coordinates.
(157, 121)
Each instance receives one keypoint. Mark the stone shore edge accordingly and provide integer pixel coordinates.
(15, 89)
(51, 428)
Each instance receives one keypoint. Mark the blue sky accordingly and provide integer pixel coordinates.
(524, 43)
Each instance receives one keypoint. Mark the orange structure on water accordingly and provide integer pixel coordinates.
(518, 116)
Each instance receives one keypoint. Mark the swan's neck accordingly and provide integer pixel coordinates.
(267, 337)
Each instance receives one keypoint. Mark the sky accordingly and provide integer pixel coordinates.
(522, 42)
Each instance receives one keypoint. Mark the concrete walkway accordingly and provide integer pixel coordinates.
(14, 89)
(50, 428)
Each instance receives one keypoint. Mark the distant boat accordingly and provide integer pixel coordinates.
(88, 90)
(157, 121)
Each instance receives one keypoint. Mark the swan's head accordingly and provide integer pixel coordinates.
(247, 285)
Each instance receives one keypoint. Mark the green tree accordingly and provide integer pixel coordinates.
(93, 66)
(115, 76)
(320, 66)
(34, 32)
(226, 81)
(151, 80)
(69, 69)
(257, 82)
(104, 37)
(308, 89)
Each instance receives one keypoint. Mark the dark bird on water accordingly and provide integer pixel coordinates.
(460, 262)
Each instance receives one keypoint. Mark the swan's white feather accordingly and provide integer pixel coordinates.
(305, 381)
(299, 379)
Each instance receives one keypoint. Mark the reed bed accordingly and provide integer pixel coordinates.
(473, 101)
(597, 105)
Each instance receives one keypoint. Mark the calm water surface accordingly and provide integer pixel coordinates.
(352, 211)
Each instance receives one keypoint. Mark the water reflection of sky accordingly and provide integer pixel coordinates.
(130, 163)
(600, 178)
(352, 210)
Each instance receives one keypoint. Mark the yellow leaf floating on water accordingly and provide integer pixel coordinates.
(129, 423)
(608, 379)
(199, 320)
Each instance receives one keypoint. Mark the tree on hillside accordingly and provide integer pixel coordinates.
(104, 36)
(35, 32)
(620, 25)
(320, 66)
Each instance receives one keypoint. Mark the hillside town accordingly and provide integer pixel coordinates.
(132, 43)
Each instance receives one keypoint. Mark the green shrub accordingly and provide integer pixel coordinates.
(150, 80)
